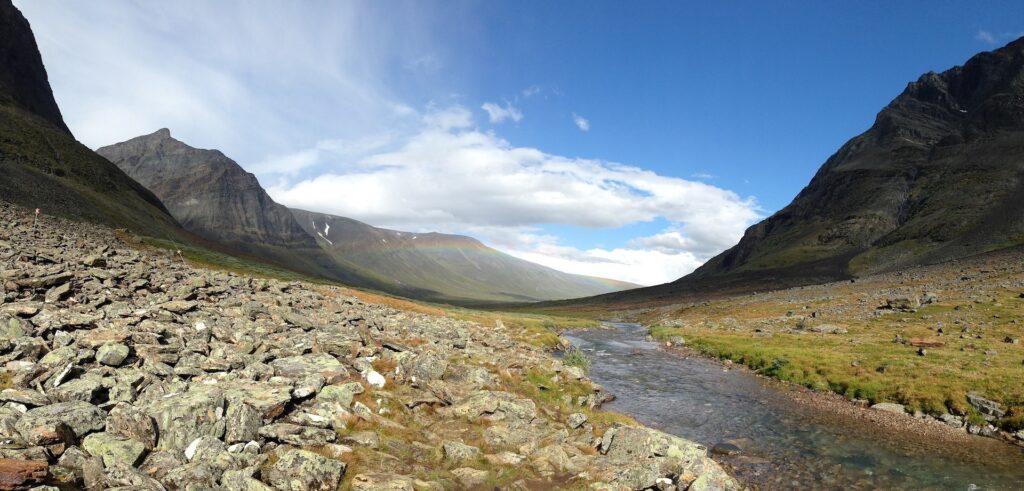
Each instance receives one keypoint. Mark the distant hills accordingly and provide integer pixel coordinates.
(938, 176)
(41, 163)
(459, 266)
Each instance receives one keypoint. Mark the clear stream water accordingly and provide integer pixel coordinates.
(786, 444)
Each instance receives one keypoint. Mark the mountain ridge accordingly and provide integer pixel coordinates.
(939, 175)
(215, 198)
(423, 259)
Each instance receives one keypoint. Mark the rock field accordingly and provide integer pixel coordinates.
(126, 368)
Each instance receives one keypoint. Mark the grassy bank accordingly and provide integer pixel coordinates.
(838, 338)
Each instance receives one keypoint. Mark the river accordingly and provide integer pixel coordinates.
(785, 444)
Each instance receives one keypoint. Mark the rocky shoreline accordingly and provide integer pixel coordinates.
(130, 369)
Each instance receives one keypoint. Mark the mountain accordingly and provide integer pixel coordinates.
(213, 197)
(208, 193)
(938, 176)
(446, 267)
(41, 163)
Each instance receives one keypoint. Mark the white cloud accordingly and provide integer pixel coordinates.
(531, 91)
(454, 178)
(985, 37)
(498, 114)
(210, 73)
(582, 123)
(327, 115)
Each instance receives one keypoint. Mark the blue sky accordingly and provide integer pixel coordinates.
(633, 140)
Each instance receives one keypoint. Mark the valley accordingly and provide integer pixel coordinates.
(168, 324)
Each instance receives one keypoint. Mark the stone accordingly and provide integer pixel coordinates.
(27, 397)
(243, 422)
(299, 367)
(114, 449)
(990, 409)
(575, 420)
(181, 418)
(725, 448)
(469, 477)
(382, 482)
(179, 306)
(20, 474)
(301, 470)
(341, 394)
(459, 452)
(890, 407)
(905, 303)
(81, 417)
(112, 354)
(296, 434)
(131, 422)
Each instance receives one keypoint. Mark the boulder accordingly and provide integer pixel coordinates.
(341, 394)
(81, 417)
(301, 470)
(183, 417)
(459, 452)
(990, 409)
(22, 474)
(112, 354)
(114, 449)
(131, 422)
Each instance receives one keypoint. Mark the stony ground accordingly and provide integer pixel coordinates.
(130, 369)
(941, 343)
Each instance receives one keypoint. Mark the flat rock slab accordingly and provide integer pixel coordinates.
(21, 474)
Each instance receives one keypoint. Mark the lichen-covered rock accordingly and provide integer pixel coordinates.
(112, 354)
(242, 422)
(131, 422)
(81, 417)
(341, 394)
(470, 478)
(300, 367)
(300, 470)
(114, 449)
(459, 452)
(181, 418)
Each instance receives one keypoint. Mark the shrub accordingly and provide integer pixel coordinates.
(574, 357)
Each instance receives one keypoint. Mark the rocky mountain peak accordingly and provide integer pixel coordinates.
(23, 78)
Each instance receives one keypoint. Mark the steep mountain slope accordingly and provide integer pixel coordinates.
(939, 176)
(214, 198)
(456, 268)
(41, 164)
(207, 192)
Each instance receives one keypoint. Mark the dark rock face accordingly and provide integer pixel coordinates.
(208, 193)
(936, 177)
(23, 79)
(41, 164)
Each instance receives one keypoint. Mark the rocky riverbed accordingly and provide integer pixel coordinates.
(126, 368)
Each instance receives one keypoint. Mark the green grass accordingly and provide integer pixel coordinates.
(574, 357)
(866, 363)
